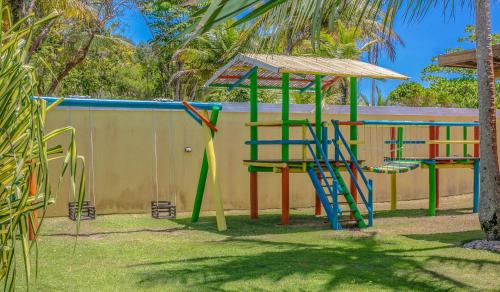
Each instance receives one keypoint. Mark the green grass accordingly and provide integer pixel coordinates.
(135, 252)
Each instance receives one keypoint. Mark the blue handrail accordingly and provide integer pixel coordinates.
(353, 158)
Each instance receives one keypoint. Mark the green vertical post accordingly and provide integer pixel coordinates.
(318, 118)
(399, 152)
(203, 173)
(432, 189)
(465, 138)
(448, 138)
(285, 114)
(354, 114)
(254, 150)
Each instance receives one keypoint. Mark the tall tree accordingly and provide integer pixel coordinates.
(489, 212)
(489, 203)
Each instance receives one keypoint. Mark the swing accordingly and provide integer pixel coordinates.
(88, 207)
(161, 209)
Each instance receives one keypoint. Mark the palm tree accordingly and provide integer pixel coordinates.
(489, 211)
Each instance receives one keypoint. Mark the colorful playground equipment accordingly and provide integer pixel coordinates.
(401, 146)
(329, 175)
(165, 209)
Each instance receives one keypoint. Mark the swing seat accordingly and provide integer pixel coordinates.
(88, 211)
(394, 166)
(163, 210)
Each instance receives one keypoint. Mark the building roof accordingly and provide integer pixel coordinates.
(302, 71)
(467, 59)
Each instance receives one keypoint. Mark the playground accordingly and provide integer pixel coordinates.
(405, 250)
(346, 201)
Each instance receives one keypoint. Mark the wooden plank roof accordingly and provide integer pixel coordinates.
(302, 70)
(467, 59)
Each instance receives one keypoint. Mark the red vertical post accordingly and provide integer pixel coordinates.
(432, 151)
(317, 202)
(285, 196)
(352, 188)
(476, 137)
(392, 146)
(436, 151)
(254, 200)
(354, 191)
(32, 193)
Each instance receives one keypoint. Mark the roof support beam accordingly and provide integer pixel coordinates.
(330, 83)
(268, 78)
(242, 78)
(309, 85)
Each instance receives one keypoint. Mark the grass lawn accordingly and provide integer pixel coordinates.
(404, 251)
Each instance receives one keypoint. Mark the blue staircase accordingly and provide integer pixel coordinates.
(333, 185)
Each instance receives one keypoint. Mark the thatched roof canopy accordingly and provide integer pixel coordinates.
(302, 71)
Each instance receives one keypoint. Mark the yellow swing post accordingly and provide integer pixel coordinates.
(212, 167)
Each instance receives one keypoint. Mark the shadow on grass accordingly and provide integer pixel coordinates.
(455, 238)
(242, 225)
(419, 213)
(366, 262)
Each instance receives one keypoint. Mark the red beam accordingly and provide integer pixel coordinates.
(264, 78)
(285, 196)
(476, 137)
(317, 202)
(347, 123)
(330, 83)
(254, 201)
(203, 118)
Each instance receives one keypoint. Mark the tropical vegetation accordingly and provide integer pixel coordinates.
(27, 148)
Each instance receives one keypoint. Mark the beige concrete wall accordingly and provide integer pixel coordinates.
(124, 163)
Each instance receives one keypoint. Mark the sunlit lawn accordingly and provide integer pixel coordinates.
(405, 251)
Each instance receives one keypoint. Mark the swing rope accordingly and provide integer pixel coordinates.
(91, 169)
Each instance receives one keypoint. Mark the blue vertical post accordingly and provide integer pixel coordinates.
(475, 205)
(336, 130)
(324, 141)
(330, 212)
(370, 202)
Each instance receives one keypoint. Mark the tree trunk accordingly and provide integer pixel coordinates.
(77, 58)
(489, 204)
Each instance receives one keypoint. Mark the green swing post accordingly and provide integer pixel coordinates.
(399, 151)
(465, 152)
(285, 155)
(254, 150)
(285, 115)
(448, 138)
(318, 118)
(318, 123)
(203, 173)
(353, 131)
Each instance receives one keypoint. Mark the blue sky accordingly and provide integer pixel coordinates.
(423, 40)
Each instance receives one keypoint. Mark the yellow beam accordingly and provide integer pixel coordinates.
(453, 142)
(265, 164)
(265, 123)
(212, 167)
(454, 165)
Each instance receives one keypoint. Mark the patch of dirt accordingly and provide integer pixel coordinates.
(493, 245)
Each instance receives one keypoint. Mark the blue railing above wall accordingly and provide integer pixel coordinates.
(131, 104)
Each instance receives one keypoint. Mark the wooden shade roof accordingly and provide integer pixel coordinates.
(302, 71)
(467, 59)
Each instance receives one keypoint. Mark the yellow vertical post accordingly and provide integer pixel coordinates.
(304, 148)
(212, 167)
(394, 196)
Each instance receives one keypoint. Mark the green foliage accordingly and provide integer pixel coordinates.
(26, 149)
(411, 94)
(448, 87)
